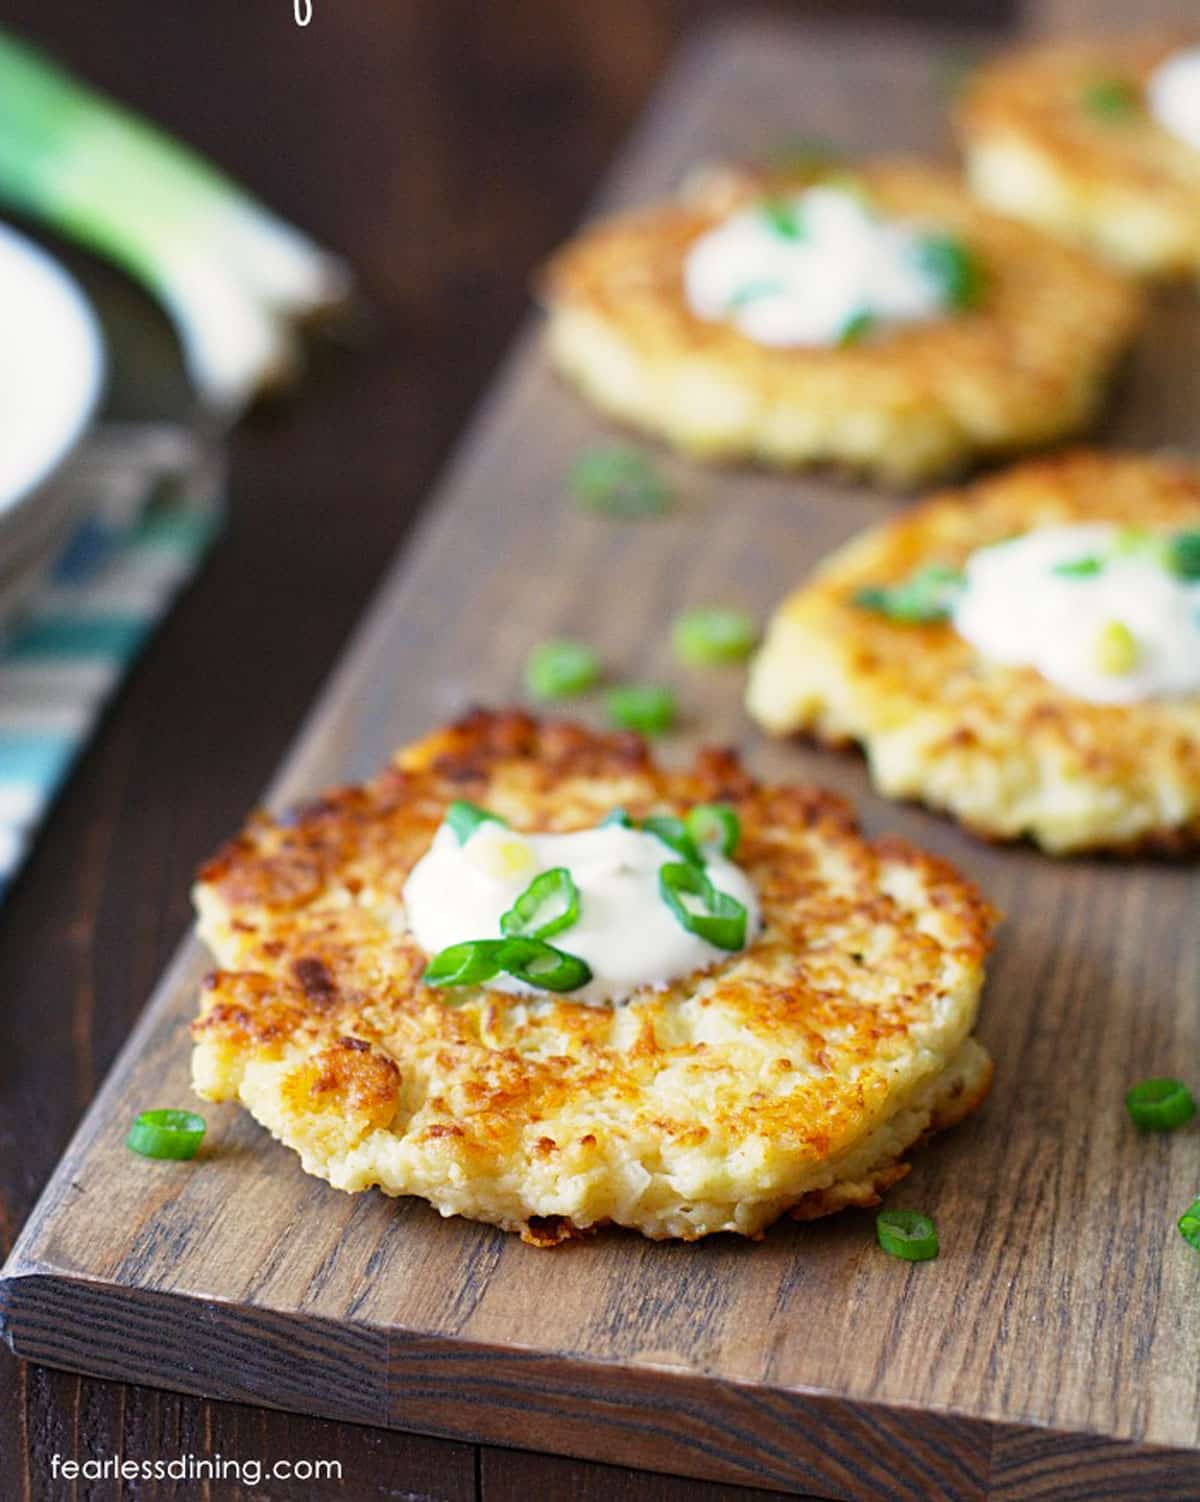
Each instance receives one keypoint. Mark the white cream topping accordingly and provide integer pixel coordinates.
(1017, 609)
(1173, 95)
(625, 932)
(843, 263)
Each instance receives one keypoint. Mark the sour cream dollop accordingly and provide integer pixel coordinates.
(800, 270)
(1173, 95)
(1058, 598)
(625, 932)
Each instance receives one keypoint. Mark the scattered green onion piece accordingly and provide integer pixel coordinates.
(1189, 1225)
(1080, 568)
(234, 278)
(541, 965)
(166, 1134)
(1132, 540)
(925, 597)
(617, 816)
(619, 481)
(954, 267)
(465, 818)
(856, 328)
(644, 707)
(907, 1234)
(753, 291)
(561, 669)
(673, 832)
(715, 826)
(721, 920)
(803, 154)
(1160, 1105)
(1110, 99)
(469, 964)
(552, 888)
(1183, 555)
(714, 634)
(1117, 650)
(785, 219)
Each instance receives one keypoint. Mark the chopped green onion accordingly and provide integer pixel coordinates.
(560, 669)
(619, 481)
(1131, 540)
(856, 328)
(720, 919)
(1110, 99)
(166, 1134)
(465, 818)
(712, 635)
(644, 707)
(1189, 1225)
(753, 291)
(1183, 555)
(617, 816)
(674, 834)
(714, 826)
(784, 218)
(1160, 1105)
(803, 154)
(233, 277)
(1080, 568)
(1117, 651)
(907, 1234)
(924, 597)
(955, 268)
(541, 965)
(532, 915)
(469, 964)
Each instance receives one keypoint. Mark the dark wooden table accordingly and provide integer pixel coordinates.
(444, 146)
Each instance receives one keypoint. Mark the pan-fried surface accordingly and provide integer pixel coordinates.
(1002, 748)
(795, 1075)
(1029, 365)
(1109, 178)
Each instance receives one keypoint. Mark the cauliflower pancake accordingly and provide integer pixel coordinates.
(1002, 748)
(1061, 136)
(794, 1076)
(1027, 365)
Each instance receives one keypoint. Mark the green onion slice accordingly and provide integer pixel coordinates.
(1110, 98)
(541, 965)
(856, 328)
(469, 964)
(713, 634)
(1189, 1225)
(1160, 1105)
(714, 826)
(561, 669)
(674, 833)
(1080, 568)
(617, 816)
(644, 707)
(924, 597)
(907, 1234)
(1183, 555)
(465, 818)
(166, 1134)
(785, 219)
(619, 481)
(547, 906)
(955, 268)
(719, 919)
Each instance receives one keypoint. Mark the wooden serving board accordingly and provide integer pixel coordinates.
(1049, 1352)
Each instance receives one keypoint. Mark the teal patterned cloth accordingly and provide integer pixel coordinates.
(153, 505)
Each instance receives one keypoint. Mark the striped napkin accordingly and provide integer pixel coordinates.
(154, 503)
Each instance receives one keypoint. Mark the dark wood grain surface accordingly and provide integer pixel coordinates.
(444, 147)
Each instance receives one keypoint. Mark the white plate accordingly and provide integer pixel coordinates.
(51, 376)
